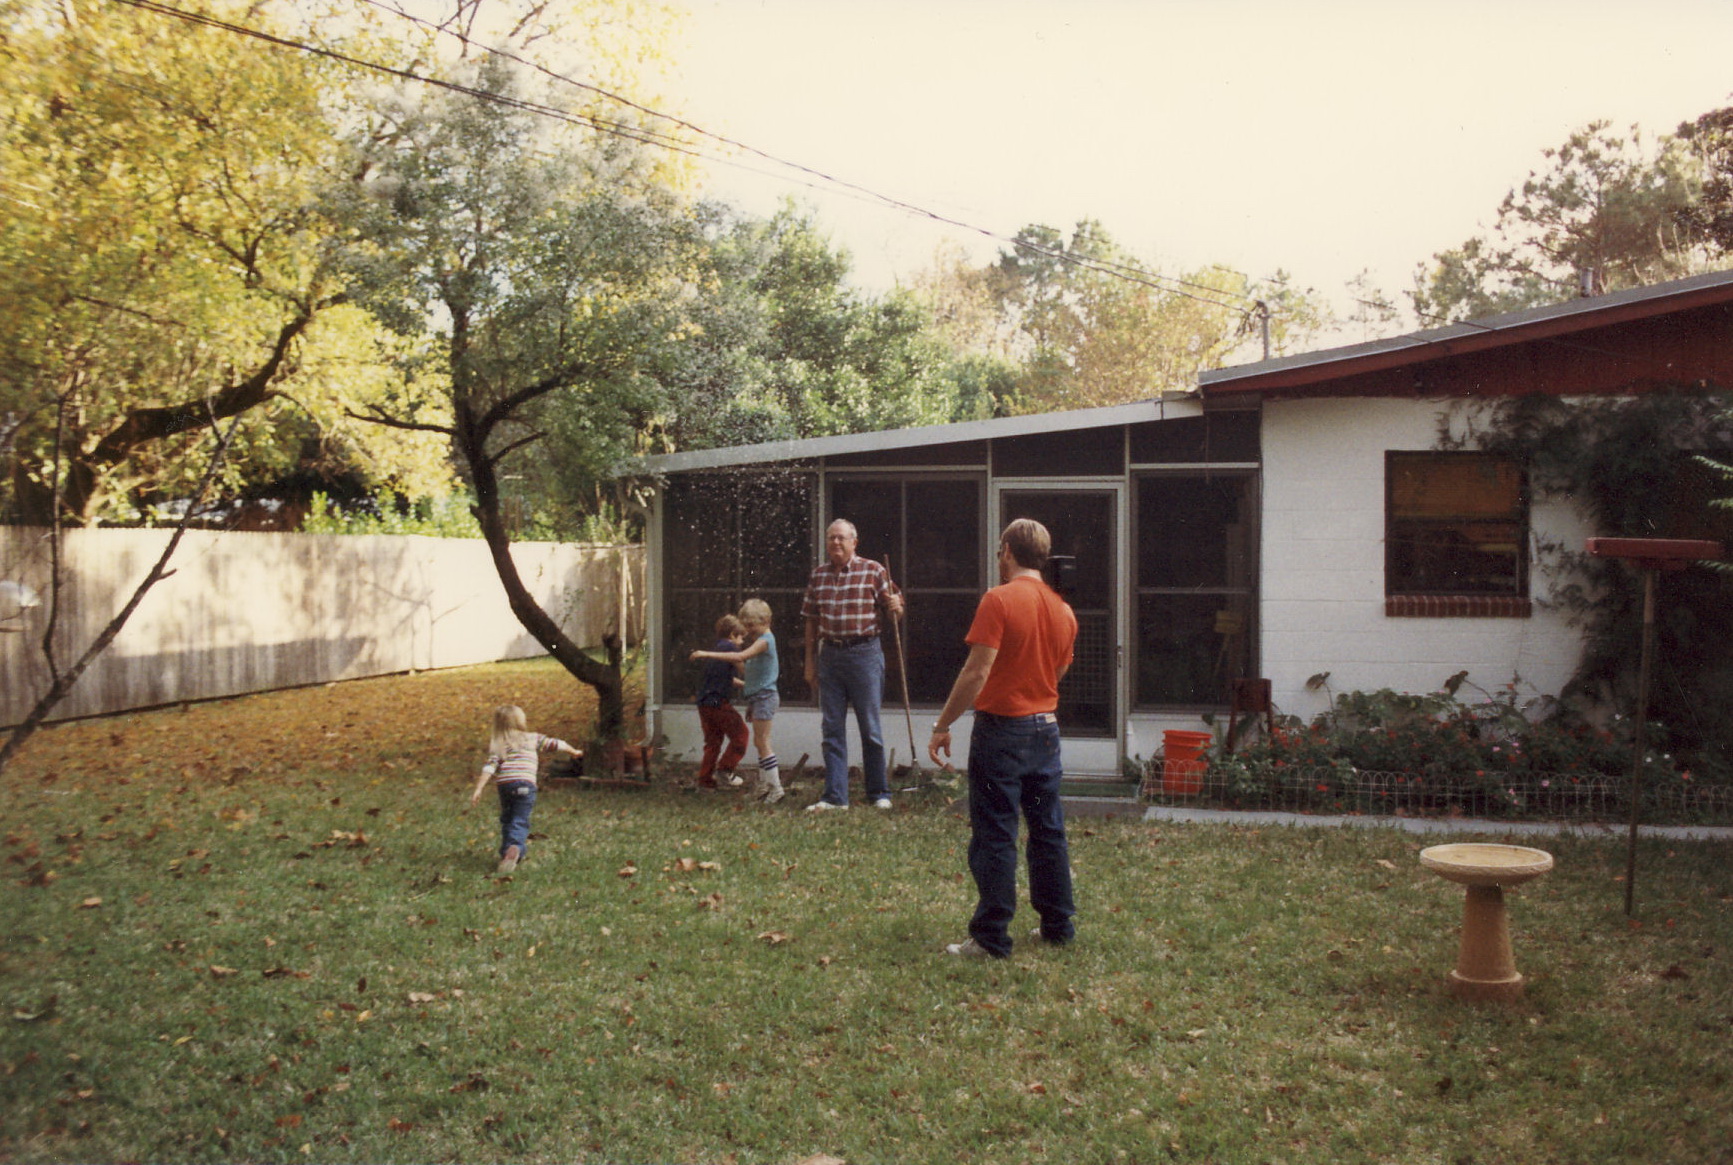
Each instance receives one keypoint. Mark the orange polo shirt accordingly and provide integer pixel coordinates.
(1034, 631)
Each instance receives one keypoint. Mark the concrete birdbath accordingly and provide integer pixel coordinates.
(1484, 967)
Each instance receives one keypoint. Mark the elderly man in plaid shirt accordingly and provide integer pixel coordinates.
(845, 662)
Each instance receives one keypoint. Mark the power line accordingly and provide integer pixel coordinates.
(649, 137)
(641, 135)
(1108, 267)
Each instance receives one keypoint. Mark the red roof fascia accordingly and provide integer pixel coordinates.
(1468, 341)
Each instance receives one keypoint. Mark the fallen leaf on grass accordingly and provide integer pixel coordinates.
(421, 997)
(1675, 972)
(398, 1126)
(284, 973)
(222, 972)
(713, 902)
(1387, 863)
(90, 904)
(821, 1159)
(773, 937)
(628, 871)
(293, 1120)
(43, 1010)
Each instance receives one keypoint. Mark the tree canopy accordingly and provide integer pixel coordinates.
(164, 268)
(1081, 321)
(1607, 211)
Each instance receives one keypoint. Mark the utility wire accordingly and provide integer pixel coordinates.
(649, 137)
(633, 133)
(1104, 266)
(818, 179)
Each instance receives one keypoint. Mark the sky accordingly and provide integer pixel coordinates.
(1324, 139)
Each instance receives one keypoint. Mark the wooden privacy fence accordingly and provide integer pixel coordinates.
(249, 612)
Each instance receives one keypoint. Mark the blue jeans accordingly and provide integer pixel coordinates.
(516, 800)
(1014, 766)
(852, 675)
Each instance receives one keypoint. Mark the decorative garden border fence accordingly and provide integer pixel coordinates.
(1574, 796)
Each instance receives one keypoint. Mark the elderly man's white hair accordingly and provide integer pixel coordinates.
(852, 532)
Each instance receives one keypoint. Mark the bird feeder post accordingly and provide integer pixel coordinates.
(1650, 556)
(1645, 673)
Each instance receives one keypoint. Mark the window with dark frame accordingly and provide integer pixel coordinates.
(1456, 535)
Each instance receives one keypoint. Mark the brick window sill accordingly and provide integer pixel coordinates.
(1457, 607)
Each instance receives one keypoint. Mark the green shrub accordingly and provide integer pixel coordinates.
(1387, 751)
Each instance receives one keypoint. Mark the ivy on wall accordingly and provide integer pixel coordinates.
(1649, 465)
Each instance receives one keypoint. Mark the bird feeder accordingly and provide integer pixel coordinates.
(1651, 556)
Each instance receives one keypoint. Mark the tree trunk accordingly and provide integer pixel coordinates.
(63, 682)
(605, 678)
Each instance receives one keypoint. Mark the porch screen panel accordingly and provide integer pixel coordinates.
(1081, 523)
(1195, 545)
(927, 530)
(728, 538)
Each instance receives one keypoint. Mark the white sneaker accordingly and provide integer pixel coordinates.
(824, 807)
(969, 949)
(736, 780)
(882, 803)
(774, 796)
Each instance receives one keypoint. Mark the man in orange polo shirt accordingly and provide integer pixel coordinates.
(1020, 645)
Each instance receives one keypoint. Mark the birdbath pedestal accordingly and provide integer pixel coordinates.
(1485, 970)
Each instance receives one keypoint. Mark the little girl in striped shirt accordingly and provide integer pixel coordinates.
(514, 753)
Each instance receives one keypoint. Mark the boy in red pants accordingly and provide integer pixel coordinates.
(721, 723)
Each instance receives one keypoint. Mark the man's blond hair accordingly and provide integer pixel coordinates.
(1029, 543)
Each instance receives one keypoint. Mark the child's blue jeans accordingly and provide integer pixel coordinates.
(516, 800)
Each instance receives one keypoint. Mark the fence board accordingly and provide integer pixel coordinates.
(249, 612)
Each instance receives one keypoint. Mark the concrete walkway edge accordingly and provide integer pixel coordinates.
(1441, 825)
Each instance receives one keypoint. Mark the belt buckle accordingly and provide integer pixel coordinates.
(1047, 717)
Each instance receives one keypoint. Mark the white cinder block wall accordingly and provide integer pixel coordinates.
(1322, 567)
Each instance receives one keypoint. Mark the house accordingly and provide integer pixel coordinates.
(1288, 518)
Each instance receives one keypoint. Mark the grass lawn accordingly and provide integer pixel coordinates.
(261, 930)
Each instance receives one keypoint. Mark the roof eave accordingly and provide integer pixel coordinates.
(812, 448)
(1303, 371)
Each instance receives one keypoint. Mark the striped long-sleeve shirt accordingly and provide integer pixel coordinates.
(521, 764)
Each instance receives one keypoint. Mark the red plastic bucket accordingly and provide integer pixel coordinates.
(1181, 770)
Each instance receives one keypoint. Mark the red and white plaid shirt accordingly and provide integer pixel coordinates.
(845, 600)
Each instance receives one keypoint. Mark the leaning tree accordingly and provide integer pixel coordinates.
(536, 271)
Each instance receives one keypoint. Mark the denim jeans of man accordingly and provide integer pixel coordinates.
(516, 801)
(853, 675)
(1014, 769)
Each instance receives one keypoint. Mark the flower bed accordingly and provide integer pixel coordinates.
(1391, 753)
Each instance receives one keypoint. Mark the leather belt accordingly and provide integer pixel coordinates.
(847, 640)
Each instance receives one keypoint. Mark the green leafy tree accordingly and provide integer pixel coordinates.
(774, 342)
(163, 271)
(1606, 212)
(1709, 217)
(533, 271)
(1087, 324)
